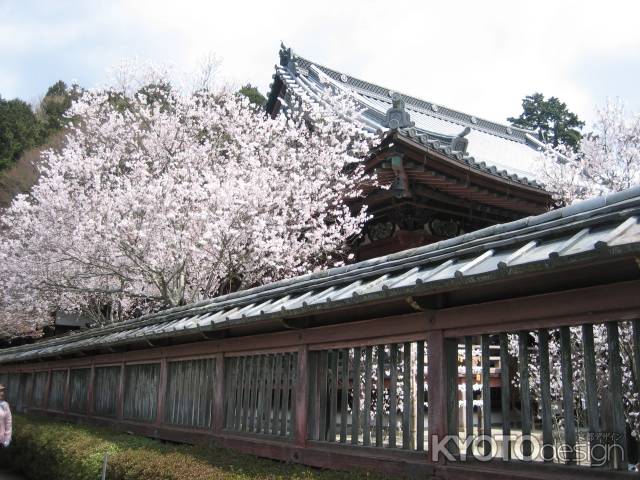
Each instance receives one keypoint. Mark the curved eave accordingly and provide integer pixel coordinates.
(480, 173)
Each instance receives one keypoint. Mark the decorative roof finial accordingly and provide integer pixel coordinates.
(285, 55)
(459, 143)
(397, 116)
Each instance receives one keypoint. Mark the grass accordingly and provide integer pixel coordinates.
(45, 449)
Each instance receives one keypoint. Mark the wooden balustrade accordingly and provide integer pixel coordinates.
(369, 396)
(260, 394)
(105, 391)
(79, 390)
(141, 383)
(321, 395)
(569, 416)
(189, 392)
(57, 390)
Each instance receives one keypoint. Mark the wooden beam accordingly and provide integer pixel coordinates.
(380, 395)
(162, 389)
(406, 394)
(612, 302)
(120, 398)
(368, 379)
(47, 391)
(355, 407)
(591, 385)
(219, 394)
(436, 380)
(420, 397)
(545, 394)
(620, 460)
(486, 394)
(525, 392)
(393, 394)
(618, 301)
(302, 396)
(566, 367)
(505, 396)
(90, 401)
(67, 392)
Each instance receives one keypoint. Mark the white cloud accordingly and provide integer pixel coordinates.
(8, 82)
(480, 57)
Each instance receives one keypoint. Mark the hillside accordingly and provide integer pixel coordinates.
(20, 177)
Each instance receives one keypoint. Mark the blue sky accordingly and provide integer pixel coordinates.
(479, 57)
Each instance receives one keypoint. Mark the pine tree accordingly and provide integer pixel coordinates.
(551, 119)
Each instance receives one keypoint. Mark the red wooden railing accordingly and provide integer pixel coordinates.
(376, 394)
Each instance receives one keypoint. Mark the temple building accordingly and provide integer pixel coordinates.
(453, 360)
(450, 172)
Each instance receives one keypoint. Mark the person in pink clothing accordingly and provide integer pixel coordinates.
(5, 421)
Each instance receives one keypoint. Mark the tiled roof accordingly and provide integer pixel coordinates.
(442, 146)
(511, 150)
(603, 227)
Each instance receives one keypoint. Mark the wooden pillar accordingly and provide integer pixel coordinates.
(47, 390)
(120, 398)
(468, 390)
(65, 401)
(451, 371)
(566, 368)
(545, 394)
(219, 394)
(525, 393)
(436, 381)
(29, 399)
(591, 387)
(314, 405)
(619, 460)
(302, 396)
(162, 392)
(92, 379)
(505, 396)
(420, 398)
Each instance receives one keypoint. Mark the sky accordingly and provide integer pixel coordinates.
(480, 57)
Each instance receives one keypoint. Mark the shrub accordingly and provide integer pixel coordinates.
(45, 449)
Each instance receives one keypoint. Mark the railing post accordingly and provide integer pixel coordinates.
(440, 375)
(162, 389)
(30, 384)
(67, 393)
(90, 402)
(47, 390)
(302, 396)
(120, 397)
(219, 395)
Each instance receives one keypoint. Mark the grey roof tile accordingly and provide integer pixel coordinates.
(495, 146)
(583, 231)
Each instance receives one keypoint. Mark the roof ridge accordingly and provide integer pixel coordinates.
(437, 113)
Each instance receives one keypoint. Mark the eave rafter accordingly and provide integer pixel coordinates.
(461, 189)
(460, 182)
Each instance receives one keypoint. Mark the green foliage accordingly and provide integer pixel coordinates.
(45, 449)
(253, 94)
(19, 130)
(54, 104)
(551, 119)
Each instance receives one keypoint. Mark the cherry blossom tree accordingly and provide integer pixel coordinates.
(608, 159)
(163, 196)
(630, 380)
